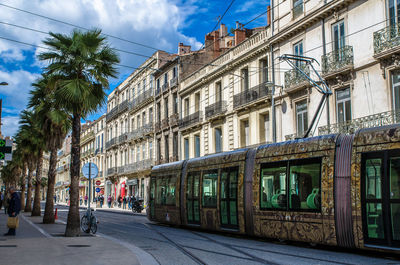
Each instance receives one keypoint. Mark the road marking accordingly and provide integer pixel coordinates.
(142, 256)
(37, 227)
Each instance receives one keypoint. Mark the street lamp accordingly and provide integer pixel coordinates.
(3, 84)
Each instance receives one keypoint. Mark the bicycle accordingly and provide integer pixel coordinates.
(89, 222)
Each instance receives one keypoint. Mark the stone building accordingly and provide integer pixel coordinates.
(63, 177)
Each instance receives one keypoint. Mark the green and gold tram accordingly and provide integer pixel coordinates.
(339, 190)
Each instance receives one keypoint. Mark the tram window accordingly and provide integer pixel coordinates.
(395, 194)
(373, 178)
(273, 187)
(164, 182)
(375, 220)
(170, 188)
(304, 185)
(159, 191)
(210, 179)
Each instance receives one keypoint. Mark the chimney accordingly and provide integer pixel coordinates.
(183, 49)
(269, 15)
(216, 40)
(240, 35)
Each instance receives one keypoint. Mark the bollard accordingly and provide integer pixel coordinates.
(55, 215)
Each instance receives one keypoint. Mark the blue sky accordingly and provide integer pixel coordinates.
(160, 24)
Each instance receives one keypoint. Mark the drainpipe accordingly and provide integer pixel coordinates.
(273, 96)
(328, 118)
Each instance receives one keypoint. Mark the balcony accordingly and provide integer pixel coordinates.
(137, 166)
(293, 136)
(379, 119)
(122, 138)
(123, 106)
(88, 137)
(295, 80)
(111, 171)
(157, 126)
(158, 91)
(337, 61)
(165, 87)
(387, 41)
(141, 99)
(215, 109)
(174, 120)
(164, 124)
(252, 95)
(141, 132)
(112, 142)
(173, 158)
(112, 114)
(173, 82)
(190, 120)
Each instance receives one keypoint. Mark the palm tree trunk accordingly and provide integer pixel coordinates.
(23, 188)
(28, 205)
(73, 227)
(36, 200)
(48, 217)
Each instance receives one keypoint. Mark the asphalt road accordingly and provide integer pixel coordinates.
(171, 245)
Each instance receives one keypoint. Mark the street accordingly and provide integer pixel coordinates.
(170, 245)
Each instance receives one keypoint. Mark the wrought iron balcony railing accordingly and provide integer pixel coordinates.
(123, 106)
(337, 60)
(164, 123)
(140, 99)
(111, 171)
(165, 87)
(112, 113)
(174, 119)
(294, 136)
(216, 109)
(123, 137)
(141, 132)
(158, 91)
(112, 142)
(253, 94)
(349, 127)
(86, 138)
(294, 77)
(386, 38)
(190, 119)
(173, 82)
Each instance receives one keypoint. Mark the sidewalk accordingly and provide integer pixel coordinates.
(106, 209)
(37, 243)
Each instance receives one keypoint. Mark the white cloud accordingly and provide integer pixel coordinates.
(9, 125)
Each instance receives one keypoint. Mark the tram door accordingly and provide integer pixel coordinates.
(152, 192)
(381, 198)
(193, 198)
(228, 198)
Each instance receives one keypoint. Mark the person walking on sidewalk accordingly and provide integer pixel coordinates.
(109, 201)
(124, 203)
(101, 201)
(86, 198)
(13, 209)
(1, 199)
(119, 201)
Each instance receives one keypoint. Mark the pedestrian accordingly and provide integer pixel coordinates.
(124, 203)
(101, 201)
(13, 209)
(109, 201)
(119, 201)
(86, 198)
(130, 202)
(1, 199)
(55, 199)
(80, 200)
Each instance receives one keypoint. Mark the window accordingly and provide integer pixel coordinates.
(297, 8)
(151, 150)
(138, 121)
(186, 106)
(218, 91)
(166, 190)
(174, 72)
(175, 145)
(143, 151)
(175, 99)
(210, 180)
(338, 36)
(298, 50)
(166, 78)
(396, 90)
(159, 149)
(138, 153)
(293, 185)
(158, 84)
(343, 105)
(196, 102)
(244, 133)
(133, 92)
(264, 127)
(158, 112)
(166, 108)
(263, 71)
(166, 149)
(186, 146)
(144, 85)
(138, 88)
(218, 139)
(197, 145)
(151, 81)
(150, 115)
(144, 118)
(301, 117)
(244, 73)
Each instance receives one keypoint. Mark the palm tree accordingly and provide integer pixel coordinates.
(55, 124)
(85, 61)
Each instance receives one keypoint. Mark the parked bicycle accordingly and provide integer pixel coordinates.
(89, 222)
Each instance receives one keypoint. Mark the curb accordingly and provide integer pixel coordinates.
(105, 210)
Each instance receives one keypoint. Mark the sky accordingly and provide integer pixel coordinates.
(159, 24)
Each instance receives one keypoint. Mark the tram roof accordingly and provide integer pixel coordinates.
(378, 135)
(217, 158)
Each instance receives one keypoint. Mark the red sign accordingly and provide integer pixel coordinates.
(98, 182)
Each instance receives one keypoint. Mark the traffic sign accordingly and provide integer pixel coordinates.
(93, 170)
(98, 182)
(97, 189)
(6, 149)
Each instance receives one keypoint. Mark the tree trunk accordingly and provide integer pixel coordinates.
(73, 226)
(48, 217)
(28, 205)
(36, 200)
(23, 188)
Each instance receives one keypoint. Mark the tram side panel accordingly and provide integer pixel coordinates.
(293, 190)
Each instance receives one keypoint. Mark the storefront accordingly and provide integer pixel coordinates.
(133, 187)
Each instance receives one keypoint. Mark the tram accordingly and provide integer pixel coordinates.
(340, 190)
